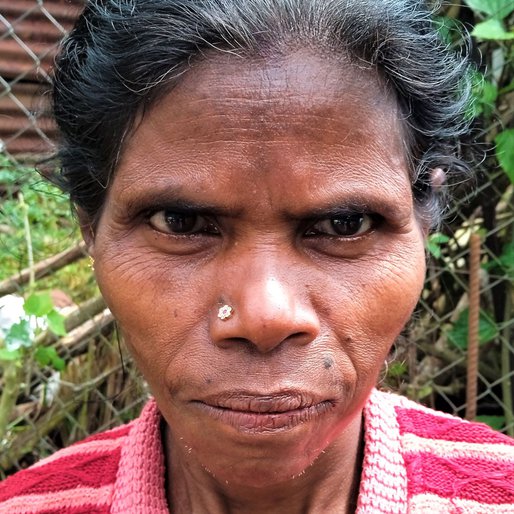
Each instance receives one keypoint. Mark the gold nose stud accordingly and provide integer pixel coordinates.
(225, 312)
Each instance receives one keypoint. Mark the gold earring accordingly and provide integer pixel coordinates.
(91, 263)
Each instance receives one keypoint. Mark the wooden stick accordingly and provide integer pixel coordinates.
(73, 342)
(79, 315)
(473, 326)
(13, 284)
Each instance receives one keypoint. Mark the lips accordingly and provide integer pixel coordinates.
(248, 412)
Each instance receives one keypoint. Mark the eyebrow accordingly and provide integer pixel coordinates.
(360, 203)
(172, 200)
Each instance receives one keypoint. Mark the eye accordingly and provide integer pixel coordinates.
(345, 225)
(181, 223)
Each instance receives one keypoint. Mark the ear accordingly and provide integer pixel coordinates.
(87, 230)
(425, 228)
(437, 178)
(437, 183)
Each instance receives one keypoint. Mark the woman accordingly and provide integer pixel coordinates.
(255, 181)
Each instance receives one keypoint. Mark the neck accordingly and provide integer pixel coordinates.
(330, 484)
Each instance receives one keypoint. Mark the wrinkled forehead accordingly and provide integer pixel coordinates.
(298, 81)
(316, 96)
(318, 121)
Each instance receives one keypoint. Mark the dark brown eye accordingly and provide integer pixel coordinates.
(181, 223)
(347, 225)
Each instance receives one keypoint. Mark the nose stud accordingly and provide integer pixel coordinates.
(225, 312)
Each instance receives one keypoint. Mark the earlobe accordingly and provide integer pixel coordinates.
(87, 231)
(437, 178)
(437, 183)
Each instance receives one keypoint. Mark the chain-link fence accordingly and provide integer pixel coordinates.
(30, 33)
(66, 387)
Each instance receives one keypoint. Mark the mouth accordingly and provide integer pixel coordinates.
(255, 413)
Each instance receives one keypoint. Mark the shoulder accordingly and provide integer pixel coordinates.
(417, 421)
(76, 479)
(451, 463)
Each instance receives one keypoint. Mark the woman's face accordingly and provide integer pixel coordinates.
(281, 189)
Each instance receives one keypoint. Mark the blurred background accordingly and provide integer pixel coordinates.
(64, 373)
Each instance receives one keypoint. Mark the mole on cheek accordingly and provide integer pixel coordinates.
(328, 362)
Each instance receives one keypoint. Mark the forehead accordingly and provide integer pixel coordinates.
(301, 116)
(279, 93)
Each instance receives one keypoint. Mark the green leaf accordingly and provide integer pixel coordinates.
(505, 152)
(46, 355)
(491, 29)
(503, 264)
(42, 356)
(433, 243)
(396, 369)
(489, 93)
(506, 260)
(38, 304)
(20, 334)
(496, 422)
(458, 334)
(56, 323)
(475, 106)
(488, 97)
(448, 28)
(424, 391)
(498, 9)
(9, 355)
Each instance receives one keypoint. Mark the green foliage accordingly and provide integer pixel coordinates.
(47, 356)
(505, 152)
(19, 335)
(55, 322)
(495, 422)
(38, 304)
(434, 243)
(397, 369)
(503, 265)
(49, 215)
(448, 28)
(506, 260)
(41, 306)
(497, 9)
(9, 355)
(458, 333)
(492, 29)
(40, 313)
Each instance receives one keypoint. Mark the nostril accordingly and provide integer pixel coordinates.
(238, 340)
(299, 336)
(229, 342)
(296, 335)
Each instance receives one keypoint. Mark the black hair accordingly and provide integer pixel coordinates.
(124, 55)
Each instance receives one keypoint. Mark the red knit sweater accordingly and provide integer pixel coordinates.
(415, 461)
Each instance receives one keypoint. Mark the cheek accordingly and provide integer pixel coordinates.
(376, 300)
(159, 307)
(393, 290)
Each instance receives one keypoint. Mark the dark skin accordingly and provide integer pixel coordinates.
(281, 188)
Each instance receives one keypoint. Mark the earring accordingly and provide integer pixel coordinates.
(91, 263)
(225, 312)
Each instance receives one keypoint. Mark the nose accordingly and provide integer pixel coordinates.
(267, 311)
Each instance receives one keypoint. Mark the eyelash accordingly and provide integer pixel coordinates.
(371, 220)
(208, 226)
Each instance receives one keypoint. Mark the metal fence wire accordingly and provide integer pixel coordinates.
(29, 38)
(98, 387)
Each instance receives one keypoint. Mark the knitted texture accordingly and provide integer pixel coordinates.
(416, 461)
(447, 465)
